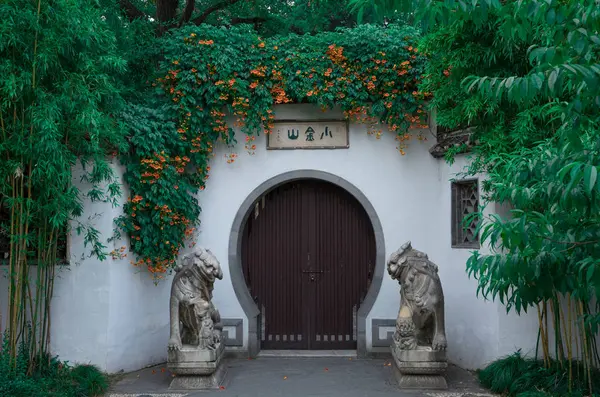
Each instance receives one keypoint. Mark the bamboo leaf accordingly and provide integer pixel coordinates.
(590, 273)
(590, 176)
(552, 80)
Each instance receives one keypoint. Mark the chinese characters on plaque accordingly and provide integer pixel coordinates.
(320, 134)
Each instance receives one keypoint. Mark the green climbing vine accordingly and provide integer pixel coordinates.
(371, 73)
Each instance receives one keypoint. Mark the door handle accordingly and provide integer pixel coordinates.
(312, 271)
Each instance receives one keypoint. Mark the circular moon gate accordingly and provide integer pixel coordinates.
(308, 255)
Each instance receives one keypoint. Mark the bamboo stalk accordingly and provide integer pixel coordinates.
(537, 343)
(49, 294)
(3, 128)
(545, 316)
(585, 347)
(579, 351)
(557, 335)
(23, 255)
(43, 331)
(596, 354)
(34, 348)
(17, 319)
(569, 342)
(32, 342)
(543, 335)
(11, 274)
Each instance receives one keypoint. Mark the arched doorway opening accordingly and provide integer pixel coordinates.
(308, 255)
(251, 311)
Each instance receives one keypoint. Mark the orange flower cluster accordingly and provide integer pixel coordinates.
(218, 124)
(276, 75)
(198, 147)
(403, 69)
(371, 130)
(230, 157)
(118, 254)
(336, 54)
(239, 123)
(178, 220)
(268, 121)
(415, 121)
(279, 94)
(180, 163)
(250, 146)
(157, 165)
(360, 115)
(241, 102)
(259, 71)
(154, 175)
(192, 40)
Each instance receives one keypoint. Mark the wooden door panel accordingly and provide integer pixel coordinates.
(344, 246)
(308, 252)
(272, 260)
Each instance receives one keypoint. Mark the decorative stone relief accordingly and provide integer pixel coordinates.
(419, 343)
(195, 348)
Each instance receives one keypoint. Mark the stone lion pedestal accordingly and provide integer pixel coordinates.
(195, 349)
(197, 369)
(419, 347)
(421, 368)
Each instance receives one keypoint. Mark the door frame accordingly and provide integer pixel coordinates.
(235, 249)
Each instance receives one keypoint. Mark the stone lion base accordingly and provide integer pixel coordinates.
(422, 368)
(197, 369)
(200, 382)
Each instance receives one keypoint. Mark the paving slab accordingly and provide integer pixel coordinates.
(297, 377)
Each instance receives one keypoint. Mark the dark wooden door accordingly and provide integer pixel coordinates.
(308, 253)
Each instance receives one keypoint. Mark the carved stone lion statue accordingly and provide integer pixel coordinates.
(194, 319)
(421, 316)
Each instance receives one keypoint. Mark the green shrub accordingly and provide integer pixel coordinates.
(90, 380)
(518, 376)
(53, 378)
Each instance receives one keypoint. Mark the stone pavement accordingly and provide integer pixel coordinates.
(296, 377)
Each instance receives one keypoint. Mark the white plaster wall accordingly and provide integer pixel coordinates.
(138, 321)
(80, 305)
(110, 314)
(471, 323)
(107, 313)
(411, 195)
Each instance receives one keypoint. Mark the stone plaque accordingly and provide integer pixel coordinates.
(321, 134)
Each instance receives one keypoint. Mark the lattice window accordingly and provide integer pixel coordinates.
(465, 201)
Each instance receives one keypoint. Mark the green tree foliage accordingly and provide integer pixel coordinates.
(59, 103)
(267, 17)
(525, 76)
(383, 10)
